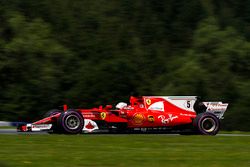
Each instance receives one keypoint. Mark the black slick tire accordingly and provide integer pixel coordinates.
(207, 124)
(71, 122)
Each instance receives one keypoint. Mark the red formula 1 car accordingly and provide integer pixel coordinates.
(146, 114)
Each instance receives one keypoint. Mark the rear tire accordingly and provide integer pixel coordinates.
(71, 122)
(207, 124)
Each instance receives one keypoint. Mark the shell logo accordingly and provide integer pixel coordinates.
(138, 119)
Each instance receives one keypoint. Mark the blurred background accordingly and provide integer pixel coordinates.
(91, 52)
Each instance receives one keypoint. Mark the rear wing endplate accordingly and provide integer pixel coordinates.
(217, 108)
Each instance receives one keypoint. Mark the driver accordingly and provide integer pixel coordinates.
(121, 105)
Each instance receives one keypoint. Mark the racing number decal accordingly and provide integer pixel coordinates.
(188, 104)
(103, 115)
(148, 101)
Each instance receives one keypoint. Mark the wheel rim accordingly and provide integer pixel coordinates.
(72, 122)
(208, 125)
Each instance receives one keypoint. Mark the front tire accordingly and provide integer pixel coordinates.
(55, 128)
(71, 122)
(52, 112)
(207, 124)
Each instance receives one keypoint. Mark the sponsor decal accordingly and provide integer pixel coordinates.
(89, 126)
(103, 115)
(128, 108)
(42, 126)
(89, 116)
(138, 119)
(216, 107)
(188, 115)
(159, 106)
(151, 118)
(165, 120)
(148, 101)
(39, 127)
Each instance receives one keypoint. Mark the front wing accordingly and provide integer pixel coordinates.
(89, 126)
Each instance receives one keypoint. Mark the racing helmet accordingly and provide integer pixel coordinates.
(121, 105)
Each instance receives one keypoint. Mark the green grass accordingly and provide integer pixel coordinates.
(234, 132)
(123, 150)
(7, 127)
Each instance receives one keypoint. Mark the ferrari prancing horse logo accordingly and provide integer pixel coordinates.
(103, 115)
(148, 101)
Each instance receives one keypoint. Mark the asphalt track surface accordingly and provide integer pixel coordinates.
(14, 132)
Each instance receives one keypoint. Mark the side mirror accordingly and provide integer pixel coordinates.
(108, 107)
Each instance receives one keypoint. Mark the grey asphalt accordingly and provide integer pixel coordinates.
(14, 132)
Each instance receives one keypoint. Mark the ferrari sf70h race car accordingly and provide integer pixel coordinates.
(144, 113)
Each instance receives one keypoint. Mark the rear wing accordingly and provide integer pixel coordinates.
(217, 108)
